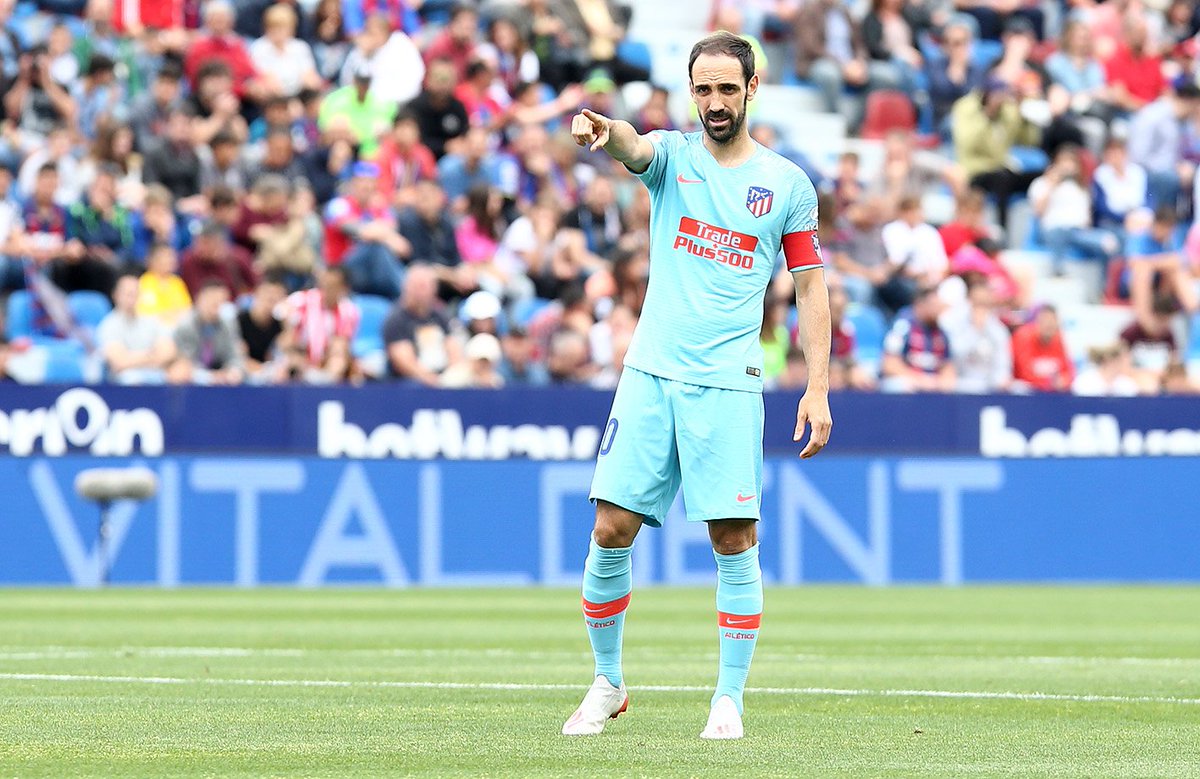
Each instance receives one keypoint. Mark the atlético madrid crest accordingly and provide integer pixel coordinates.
(758, 200)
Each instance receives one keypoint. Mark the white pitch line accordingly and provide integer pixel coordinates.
(78, 653)
(511, 686)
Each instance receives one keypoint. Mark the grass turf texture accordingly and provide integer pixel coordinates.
(1136, 648)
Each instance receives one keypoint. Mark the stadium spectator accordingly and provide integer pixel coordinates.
(481, 313)
(472, 165)
(980, 342)
(1152, 348)
(403, 160)
(441, 116)
(456, 42)
(354, 106)
(908, 171)
(212, 258)
(831, 54)
(44, 222)
(277, 230)
(1040, 359)
(214, 105)
(1063, 205)
(100, 239)
(56, 152)
(383, 48)
(284, 63)
(597, 217)
(519, 366)
(206, 342)
(417, 332)
(993, 16)
(479, 368)
(1075, 69)
(279, 159)
(148, 111)
(1134, 72)
(36, 102)
(396, 14)
(845, 372)
(957, 71)
(162, 295)
(889, 31)
(591, 31)
(476, 95)
(319, 327)
(916, 255)
(113, 148)
(1016, 66)
(96, 95)
(478, 234)
(567, 360)
(12, 236)
(1156, 143)
(655, 113)
(969, 224)
(327, 36)
(361, 235)
(221, 164)
(916, 351)
(259, 327)
(1108, 375)
(218, 42)
(173, 162)
(429, 228)
(1118, 187)
(515, 62)
(986, 124)
(1156, 266)
(136, 348)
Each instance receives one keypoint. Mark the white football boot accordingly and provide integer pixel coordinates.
(724, 722)
(602, 703)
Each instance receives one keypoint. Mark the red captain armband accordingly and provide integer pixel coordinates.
(802, 250)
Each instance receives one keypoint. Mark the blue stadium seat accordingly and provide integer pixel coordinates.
(88, 308)
(869, 330)
(524, 311)
(369, 338)
(984, 52)
(1193, 351)
(19, 315)
(64, 362)
(634, 53)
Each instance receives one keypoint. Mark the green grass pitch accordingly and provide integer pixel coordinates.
(848, 682)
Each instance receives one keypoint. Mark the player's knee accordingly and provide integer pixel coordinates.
(732, 536)
(615, 527)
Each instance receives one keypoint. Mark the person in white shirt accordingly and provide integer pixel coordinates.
(280, 57)
(916, 256)
(980, 344)
(1118, 186)
(1063, 207)
(1109, 375)
(384, 51)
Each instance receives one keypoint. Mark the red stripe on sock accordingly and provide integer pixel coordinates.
(601, 610)
(743, 621)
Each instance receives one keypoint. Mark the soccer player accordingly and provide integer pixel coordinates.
(688, 409)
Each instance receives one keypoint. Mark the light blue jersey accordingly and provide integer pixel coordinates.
(715, 235)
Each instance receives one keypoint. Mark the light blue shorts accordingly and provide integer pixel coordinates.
(663, 433)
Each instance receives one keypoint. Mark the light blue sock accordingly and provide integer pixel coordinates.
(607, 584)
(739, 612)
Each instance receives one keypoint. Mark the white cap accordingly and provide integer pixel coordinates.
(483, 346)
(481, 305)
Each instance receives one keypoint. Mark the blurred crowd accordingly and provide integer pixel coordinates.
(328, 191)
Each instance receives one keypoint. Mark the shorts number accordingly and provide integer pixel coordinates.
(606, 440)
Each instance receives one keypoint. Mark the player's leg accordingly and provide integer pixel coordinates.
(637, 476)
(720, 450)
(739, 613)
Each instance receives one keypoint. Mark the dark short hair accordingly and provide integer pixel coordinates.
(725, 44)
(1166, 215)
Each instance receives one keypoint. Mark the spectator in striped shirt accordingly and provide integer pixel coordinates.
(320, 325)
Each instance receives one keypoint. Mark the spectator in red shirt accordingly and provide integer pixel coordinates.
(457, 41)
(213, 258)
(475, 93)
(403, 160)
(361, 234)
(969, 225)
(1134, 71)
(1039, 356)
(218, 41)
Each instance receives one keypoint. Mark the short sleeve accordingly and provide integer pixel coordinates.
(665, 143)
(801, 247)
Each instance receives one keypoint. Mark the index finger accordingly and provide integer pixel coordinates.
(590, 114)
(817, 439)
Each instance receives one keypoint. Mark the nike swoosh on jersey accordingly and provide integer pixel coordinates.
(682, 180)
(743, 498)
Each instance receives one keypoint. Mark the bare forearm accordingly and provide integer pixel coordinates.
(815, 331)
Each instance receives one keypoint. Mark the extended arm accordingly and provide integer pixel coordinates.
(812, 299)
(615, 136)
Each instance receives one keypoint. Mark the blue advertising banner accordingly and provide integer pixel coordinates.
(311, 522)
(394, 422)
